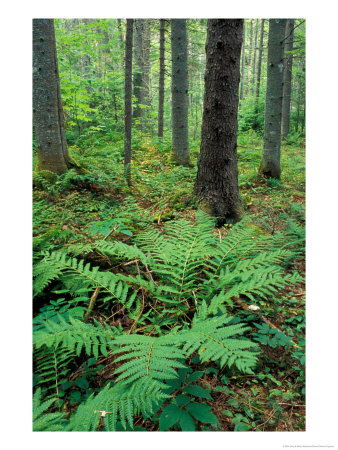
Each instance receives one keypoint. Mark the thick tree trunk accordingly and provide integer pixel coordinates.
(260, 54)
(217, 177)
(179, 89)
(243, 64)
(247, 90)
(161, 79)
(270, 162)
(287, 78)
(127, 99)
(47, 106)
(138, 72)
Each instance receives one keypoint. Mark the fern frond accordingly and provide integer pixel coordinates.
(76, 335)
(153, 358)
(214, 339)
(43, 421)
(120, 402)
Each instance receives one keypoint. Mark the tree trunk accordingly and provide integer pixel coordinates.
(217, 177)
(287, 78)
(161, 79)
(254, 57)
(270, 162)
(250, 58)
(243, 64)
(127, 99)
(179, 89)
(138, 73)
(146, 62)
(47, 106)
(260, 54)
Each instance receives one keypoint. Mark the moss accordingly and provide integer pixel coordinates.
(40, 176)
(165, 217)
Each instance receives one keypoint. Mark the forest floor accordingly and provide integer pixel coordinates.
(81, 208)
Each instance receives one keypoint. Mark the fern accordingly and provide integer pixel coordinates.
(120, 402)
(216, 340)
(43, 421)
(148, 357)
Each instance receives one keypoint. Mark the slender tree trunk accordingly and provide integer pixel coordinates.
(254, 58)
(250, 58)
(161, 79)
(270, 162)
(146, 61)
(47, 105)
(260, 54)
(138, 72)
(179, 89)
(243, 64)
(127, 99)
(217, 177)
(287, 78)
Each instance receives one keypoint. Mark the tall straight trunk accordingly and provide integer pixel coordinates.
(270, 162)
(217, 177)
(247, 90)
(138, 72)
(146, 61)
(47, 105)
(260, 54)
(161, 79)
(254, 58)
(179, 89)
(287, 78)
(243, 64)
(128, 81)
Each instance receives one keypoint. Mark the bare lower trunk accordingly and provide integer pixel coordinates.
(161, 79)
(270, 162)
(217, 177)
(179, 89)
(127, 99)
(47, 106)
(287, 78)
(260, 54)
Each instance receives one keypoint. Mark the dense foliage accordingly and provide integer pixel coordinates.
(146, 316)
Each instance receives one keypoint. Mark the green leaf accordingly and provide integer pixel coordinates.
(228, 413)
(201, 412)
(242, 427)
(170, 415)
(186, 421)
(198, 391)
(182, 400)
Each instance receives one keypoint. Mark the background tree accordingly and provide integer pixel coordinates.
(128, 100)
(251, 48)
(138, 72)
(179, 90)
(47, 106)
(287, 78)
(217, 177)
(161, 79)
(259, 65)
(243, 64)
(270, 162)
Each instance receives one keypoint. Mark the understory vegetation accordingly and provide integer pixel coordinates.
(146, 316)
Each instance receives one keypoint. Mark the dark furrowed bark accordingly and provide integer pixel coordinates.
(217, 178)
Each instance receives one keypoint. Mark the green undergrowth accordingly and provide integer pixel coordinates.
(147, 318)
